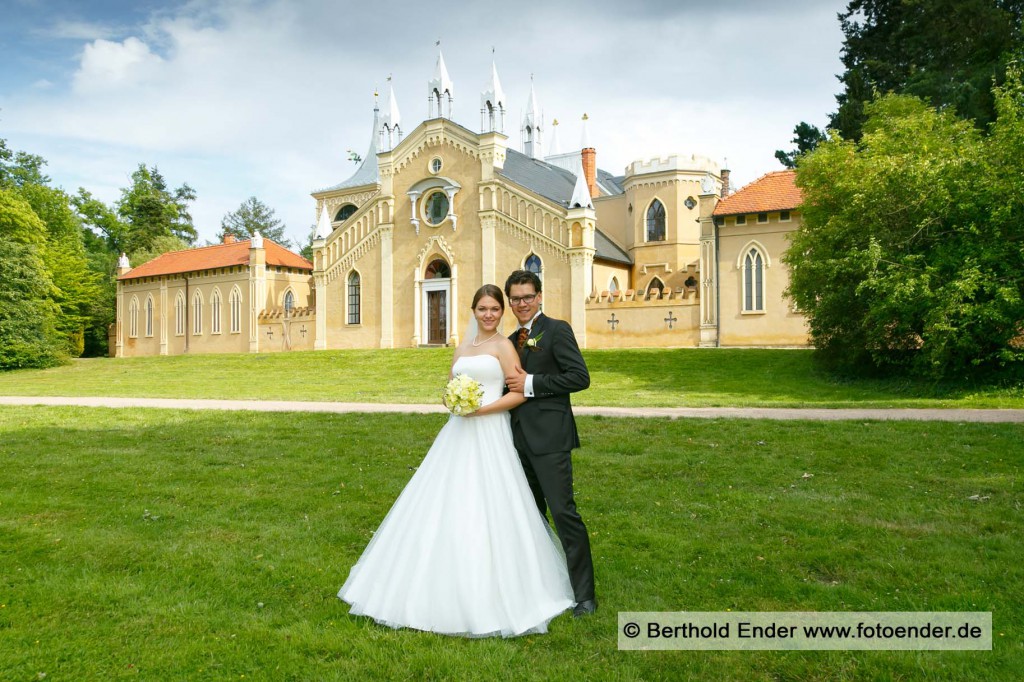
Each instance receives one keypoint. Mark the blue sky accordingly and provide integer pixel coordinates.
(264, 97)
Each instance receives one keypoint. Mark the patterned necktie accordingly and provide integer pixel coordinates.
(521, 338)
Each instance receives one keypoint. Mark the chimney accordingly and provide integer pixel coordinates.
(589, 159)
(229, 239)
(725, 183)
(590, 169)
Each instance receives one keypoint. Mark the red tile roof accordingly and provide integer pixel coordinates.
(217, 256)
(775, 191)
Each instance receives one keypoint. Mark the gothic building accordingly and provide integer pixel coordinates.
(659, 255)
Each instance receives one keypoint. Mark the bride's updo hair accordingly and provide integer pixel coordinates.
(489, 290)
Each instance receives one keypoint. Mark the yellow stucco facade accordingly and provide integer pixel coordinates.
(742, 321)
(663, 255)
(232, 308)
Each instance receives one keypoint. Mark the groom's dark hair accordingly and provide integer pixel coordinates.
(522, 277)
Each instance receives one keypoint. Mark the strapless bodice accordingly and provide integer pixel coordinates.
(487, 370)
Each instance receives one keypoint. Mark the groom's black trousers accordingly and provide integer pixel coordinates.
(550, 479)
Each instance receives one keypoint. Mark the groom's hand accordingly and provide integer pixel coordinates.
(516, 381)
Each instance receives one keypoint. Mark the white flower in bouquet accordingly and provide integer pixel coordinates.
(462, 395)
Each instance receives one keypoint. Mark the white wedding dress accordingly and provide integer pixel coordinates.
(464, 550)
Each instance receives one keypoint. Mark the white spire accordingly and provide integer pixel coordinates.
(122, 262)
(323, 226)
(391, 121)
(585, 137)
(368, 172)
(493, 104)
(581, 193)
(532, 126)
(257, 240)
(554, 138)
(440, 88)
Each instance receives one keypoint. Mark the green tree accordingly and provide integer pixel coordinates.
(78, 288)
(28, 334)
(909, 254)
(148, 209)
(806, 137)
(252, 216)
(947, 52)
(307, 250)
(951, 53)
(20, 168)
(114, 234)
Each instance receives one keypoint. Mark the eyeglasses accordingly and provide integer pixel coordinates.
(516, 300)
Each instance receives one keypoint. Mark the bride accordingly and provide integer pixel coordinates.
(464, 551)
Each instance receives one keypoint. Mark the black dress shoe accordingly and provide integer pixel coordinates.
(584, 608)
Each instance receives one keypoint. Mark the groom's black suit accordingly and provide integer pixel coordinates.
(544, 431)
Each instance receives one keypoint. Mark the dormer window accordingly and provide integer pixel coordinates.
(345, 212)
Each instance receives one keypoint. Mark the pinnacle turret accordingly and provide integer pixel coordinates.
(492, 104)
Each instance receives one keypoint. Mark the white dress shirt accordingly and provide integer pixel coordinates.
(528, 384)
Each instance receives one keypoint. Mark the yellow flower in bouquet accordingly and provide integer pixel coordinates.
(462, 395)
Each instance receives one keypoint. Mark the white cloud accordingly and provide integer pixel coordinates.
(108, 66)
(263, 97)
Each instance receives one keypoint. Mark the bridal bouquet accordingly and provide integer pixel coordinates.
(462, 395)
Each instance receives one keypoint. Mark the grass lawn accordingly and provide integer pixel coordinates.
(167, 545)
(657, 378)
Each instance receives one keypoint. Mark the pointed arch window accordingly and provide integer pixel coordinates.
(354, 296)
(533, 264)
(289, 301)
(235, 303)
(656, 222)
(613, 285)
(179, 314)
(197, 314)
(215, 312)
(655, 287)
(133, 318)
(149, 316)
(753, 281)
(437, 269)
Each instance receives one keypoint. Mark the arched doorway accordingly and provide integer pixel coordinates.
(437, 287)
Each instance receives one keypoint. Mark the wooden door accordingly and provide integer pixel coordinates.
(437, 317)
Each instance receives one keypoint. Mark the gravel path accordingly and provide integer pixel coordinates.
(780, 413)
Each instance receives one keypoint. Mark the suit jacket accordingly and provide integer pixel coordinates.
(546, 420)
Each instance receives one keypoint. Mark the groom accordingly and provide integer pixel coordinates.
(543, 427)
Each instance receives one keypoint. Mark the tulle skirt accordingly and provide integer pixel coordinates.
(464, 550)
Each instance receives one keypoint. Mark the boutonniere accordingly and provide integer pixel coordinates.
(532, 343)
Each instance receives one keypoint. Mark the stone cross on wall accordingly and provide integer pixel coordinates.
(613, 322)
(671, 320)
